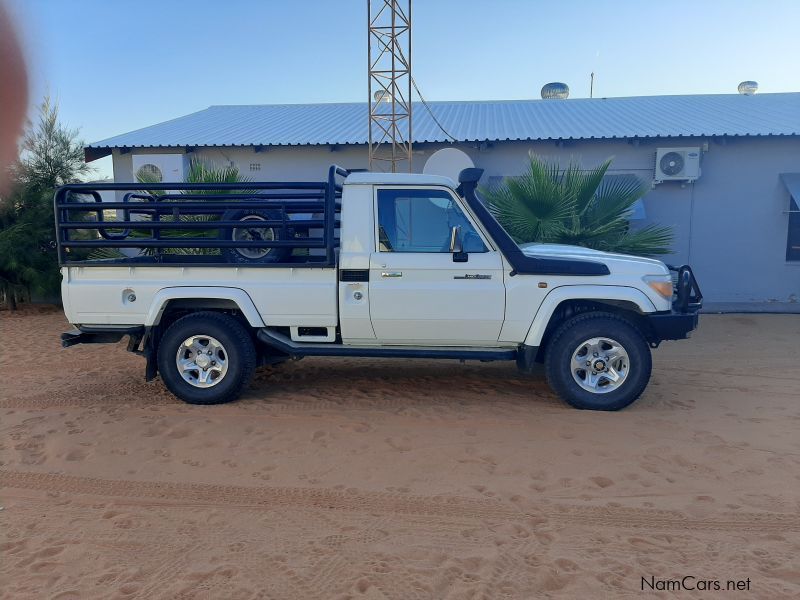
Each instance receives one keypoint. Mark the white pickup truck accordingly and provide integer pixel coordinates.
(209, 281)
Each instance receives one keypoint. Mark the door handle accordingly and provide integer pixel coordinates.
(392, 274)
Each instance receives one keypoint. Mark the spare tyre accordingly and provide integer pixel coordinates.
(252, 231)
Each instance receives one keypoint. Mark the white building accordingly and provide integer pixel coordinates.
(733, 204)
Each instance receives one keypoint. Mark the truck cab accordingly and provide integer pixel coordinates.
(432, 276)
(379, 265)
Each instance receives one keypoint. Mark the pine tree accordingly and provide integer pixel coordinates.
(51, 155)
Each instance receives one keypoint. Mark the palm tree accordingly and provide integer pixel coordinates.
(575, 206)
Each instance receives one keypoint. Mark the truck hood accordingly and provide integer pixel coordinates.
(617, 263)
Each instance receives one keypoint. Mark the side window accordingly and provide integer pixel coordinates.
(421, 221)
(792, 182)
(793, 238)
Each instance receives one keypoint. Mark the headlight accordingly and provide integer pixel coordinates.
(661, 284)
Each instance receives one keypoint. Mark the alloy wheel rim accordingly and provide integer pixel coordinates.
(600, 365)
(202, 361)
(258, 234)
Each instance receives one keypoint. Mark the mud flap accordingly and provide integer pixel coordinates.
(526, 358)
(149, 350)
(151, 366)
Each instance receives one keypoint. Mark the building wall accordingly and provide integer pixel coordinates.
(730, 225)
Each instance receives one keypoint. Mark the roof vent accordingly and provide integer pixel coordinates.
(748, 88)
(382, 96)
(555, 91)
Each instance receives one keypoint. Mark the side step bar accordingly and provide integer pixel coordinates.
(296, 350)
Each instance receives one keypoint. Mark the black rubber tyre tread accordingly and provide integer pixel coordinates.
(558, 355)
(238, 344)
(281, 233)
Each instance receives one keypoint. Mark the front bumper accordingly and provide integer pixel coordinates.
(678, 323)
(671, 325)
(688, 297)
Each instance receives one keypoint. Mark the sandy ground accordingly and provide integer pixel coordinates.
(399, 480)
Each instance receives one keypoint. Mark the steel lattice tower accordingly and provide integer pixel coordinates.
(389, 56)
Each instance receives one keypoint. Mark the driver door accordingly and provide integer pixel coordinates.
(418, 293)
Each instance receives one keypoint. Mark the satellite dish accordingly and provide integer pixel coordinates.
(448, 162)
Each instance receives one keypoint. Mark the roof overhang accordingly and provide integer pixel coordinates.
(95, 152)
(90, 154)
(792, 183)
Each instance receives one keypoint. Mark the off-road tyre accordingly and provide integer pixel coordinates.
(569, 337)
(251, 216)
(239, 353)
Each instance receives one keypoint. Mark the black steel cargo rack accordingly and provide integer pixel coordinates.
(179, 208)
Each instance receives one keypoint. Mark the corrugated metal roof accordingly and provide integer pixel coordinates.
(584, 118)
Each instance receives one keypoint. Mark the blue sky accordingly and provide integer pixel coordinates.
(119, 65)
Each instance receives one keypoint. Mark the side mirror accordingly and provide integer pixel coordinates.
(456, 248)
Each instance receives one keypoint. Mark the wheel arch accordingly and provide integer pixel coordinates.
(565, 301)
(203, 298)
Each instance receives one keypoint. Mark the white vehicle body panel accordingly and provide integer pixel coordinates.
(532, 298)
(582, 292)
(281, 297)
(427, 298)
(528, 303)
(354, 252)
(435, 301)
(238, 296)
(424, 298)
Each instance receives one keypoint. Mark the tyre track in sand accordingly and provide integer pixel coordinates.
(184, 494)
(148, 395)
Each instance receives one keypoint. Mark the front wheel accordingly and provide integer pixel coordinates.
(598, 361)
(206, 358)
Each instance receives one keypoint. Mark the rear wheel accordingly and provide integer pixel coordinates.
(598, 361)
(206, 358)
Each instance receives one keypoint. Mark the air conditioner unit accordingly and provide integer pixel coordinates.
(677, 164)
(166, 168)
